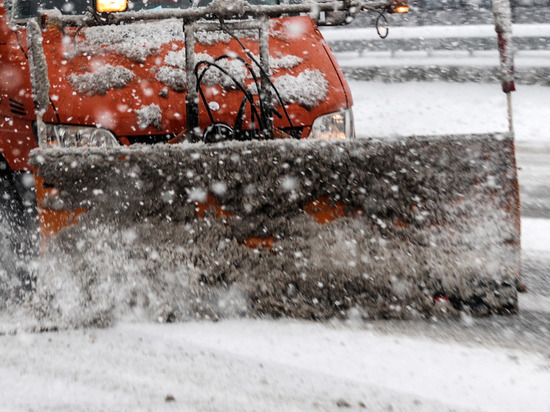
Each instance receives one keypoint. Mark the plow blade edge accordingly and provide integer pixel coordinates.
(307, 229)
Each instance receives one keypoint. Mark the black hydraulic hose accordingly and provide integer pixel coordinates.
(20, 45)
(77, 31)
(223, 26)
(249, 68)
(237, 83)
(55, 110)
(254, 77)
(239, 119)
(384, 24)
(203, 98)
(257, 84)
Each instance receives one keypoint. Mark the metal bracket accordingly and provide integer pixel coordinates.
(40, 83)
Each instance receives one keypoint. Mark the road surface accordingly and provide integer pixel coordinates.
(490, 364)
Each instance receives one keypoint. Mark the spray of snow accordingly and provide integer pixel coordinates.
(102, 80)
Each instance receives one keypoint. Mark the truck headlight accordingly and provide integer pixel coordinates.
(337, 125)
(398, 6)
(107, 6)
(79, 136)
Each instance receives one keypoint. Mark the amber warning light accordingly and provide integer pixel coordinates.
(108, 6)
(399, 6)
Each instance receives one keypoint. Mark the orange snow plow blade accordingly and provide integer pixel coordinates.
(307, 229)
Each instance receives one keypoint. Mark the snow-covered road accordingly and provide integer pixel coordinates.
(494, 364)
(426, 108)
(264, 366)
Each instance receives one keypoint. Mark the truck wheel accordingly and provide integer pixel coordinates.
(18, 237)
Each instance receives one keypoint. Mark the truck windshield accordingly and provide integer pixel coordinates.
(24, 9)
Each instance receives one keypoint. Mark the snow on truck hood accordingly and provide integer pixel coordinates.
(131, 78)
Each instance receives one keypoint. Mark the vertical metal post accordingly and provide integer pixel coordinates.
(192, 98)
(502, 13)
(265, 92)
(503, 26)
(510, 113)
(40, 83)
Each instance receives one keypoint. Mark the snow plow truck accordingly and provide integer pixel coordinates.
(198, 159)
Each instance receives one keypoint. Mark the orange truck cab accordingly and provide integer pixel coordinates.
(118, 73)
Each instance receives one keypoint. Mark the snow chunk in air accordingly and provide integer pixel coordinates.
(99, 82)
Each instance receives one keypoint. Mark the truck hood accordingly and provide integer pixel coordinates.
(131, 78)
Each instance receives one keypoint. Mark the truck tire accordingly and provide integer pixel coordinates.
(18, 237)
